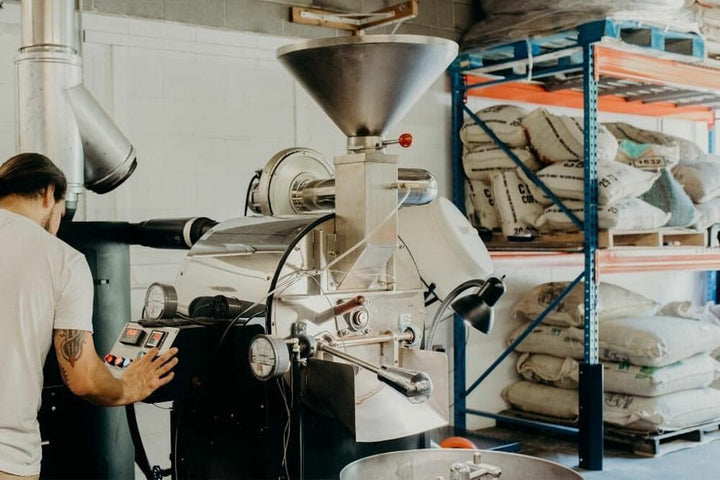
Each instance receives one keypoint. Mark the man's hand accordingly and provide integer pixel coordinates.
(148, 373)
(88, 377)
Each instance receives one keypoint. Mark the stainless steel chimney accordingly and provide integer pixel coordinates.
(56, 115)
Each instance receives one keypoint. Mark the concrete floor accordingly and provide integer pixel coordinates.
(700, 462)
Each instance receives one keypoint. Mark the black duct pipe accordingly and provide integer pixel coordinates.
(179, 233)
(176, 233)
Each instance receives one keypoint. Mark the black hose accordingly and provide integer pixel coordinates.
(141, 458)
(248, 192)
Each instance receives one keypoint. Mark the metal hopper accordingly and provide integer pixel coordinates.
(366, 84)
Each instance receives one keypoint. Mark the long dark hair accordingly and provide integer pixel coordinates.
(28, 174)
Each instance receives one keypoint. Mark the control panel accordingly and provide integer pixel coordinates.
(134, 342)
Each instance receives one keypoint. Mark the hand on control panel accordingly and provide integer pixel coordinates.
(148, 373)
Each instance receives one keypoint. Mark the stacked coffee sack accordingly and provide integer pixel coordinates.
(658, 369)
(646, 180)
(689, 187)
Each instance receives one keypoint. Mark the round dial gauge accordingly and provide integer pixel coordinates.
(160, 301)
(269, 357)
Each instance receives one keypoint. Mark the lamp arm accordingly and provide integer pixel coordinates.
(454, 293)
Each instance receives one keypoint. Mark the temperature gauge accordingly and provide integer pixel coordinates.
(160, 301)
(269, 357)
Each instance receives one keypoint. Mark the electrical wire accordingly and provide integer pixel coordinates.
(372, 232)
(467, 338)
(288, 424)
(255, 177)
(445, 304)
(175, 446)
(447, 317)
(283, 286)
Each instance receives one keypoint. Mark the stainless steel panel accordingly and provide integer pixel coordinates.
(238, 258)
(366, 181)
(433, 464)
(366, 84)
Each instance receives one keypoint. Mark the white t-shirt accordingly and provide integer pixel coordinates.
(44, 284)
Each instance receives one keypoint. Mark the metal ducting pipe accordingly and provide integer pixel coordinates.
(109, 156)
(318, 195)
(57, 116)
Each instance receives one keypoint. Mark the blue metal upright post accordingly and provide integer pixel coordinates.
(458, 196)
(711, 278)
(590, 440)
(457, 81)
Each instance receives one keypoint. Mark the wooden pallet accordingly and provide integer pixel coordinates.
(573, 241)
(641, 443)
(656, 444)
(655, 238)
(548, 48)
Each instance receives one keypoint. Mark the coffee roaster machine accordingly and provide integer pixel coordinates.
(311, 313)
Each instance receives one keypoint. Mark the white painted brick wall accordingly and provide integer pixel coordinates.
(207, 107)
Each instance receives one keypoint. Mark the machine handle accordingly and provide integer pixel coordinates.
(416, 386)
(349, 306)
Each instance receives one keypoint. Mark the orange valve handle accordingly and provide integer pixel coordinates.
(458, 442)
(405, 140)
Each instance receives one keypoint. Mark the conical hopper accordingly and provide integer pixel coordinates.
(366, 84)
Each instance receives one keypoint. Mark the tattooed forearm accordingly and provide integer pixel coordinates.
(65, 376)
(71, 344)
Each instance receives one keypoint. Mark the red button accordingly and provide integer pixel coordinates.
(110, 358)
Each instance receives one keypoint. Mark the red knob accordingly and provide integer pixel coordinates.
(405, 140)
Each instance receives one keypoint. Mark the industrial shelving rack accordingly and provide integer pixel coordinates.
(621, 67)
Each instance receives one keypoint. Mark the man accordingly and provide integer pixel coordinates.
(46, 295)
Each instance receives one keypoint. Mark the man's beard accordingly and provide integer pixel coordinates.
(45, 223)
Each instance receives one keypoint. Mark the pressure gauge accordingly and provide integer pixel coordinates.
(160, 301)
(269, 357)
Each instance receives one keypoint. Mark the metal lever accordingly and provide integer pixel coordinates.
(340, 309)
(416, 386)
(474, 470)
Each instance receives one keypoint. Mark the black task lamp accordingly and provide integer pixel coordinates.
(476, 308)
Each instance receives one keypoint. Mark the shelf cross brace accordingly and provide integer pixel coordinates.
(529, 173)
(511, 348)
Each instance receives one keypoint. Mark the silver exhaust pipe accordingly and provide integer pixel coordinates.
(57, 116)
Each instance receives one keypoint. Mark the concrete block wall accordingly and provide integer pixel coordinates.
(443, 18)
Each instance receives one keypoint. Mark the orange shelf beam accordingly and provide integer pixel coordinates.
(643, 68)
(622, 65)
(626, 260)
